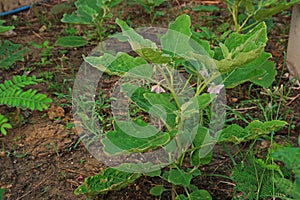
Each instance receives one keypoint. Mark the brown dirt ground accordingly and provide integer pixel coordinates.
(42, 158)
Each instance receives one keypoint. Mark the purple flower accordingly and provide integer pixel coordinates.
(214, 89)
(80, 178)
(157, 89)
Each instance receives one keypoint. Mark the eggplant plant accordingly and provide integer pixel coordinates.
(179, 86)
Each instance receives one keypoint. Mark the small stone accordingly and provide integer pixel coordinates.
(2, 154)
(233, 100)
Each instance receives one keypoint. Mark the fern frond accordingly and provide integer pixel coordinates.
(4, 124)
(10, 53)
(25, 99)
(18, 82)
(288, 187)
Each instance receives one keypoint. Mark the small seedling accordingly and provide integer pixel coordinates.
(4, 29)
(92, 12)
(149, 7)
(45, 53)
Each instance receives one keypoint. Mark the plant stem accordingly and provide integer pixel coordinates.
(187, 192)
(235, 17)
(245, 21)
(173, 192)
(170, 86)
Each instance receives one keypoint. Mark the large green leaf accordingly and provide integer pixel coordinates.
(204, 100)
(120, 64)
(176, 41)
(143, 47)
(102, 63)
(87, 12)
(136, 94)
(200, 45)
(255, 129)
(191, 108)
(71, 41)
(242, 48)
(80, 17)
(201, 139)
(266, 79)
(258, 128)
(109, 179)
(274, 8)
(259, 71)
(137, 129)
(163, 107)
(234, 133)
(163, 99)
(136, 67)
(142, 167)
(118, 141)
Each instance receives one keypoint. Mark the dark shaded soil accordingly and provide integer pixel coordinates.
(42, 157)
